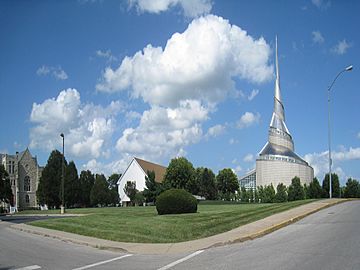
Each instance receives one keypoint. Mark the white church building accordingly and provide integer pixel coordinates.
(136, 172)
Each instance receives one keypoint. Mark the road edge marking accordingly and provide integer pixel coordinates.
(102, 262)
(31, 267)
(168, 266)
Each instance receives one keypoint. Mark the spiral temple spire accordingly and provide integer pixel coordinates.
(280, 142)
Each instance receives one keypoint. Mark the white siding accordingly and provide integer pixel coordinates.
(133, 173)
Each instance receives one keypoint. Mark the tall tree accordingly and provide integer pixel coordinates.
(205, 178)
(244, 195)
(130, 190)
(112, 181)
(153, 188)
(281, 194)
(100, 192)
(296, 190)
(180, 174)
(268, 194)
(352, 189)
(5, 186)
(335, 186)
(314, 189)
(227, 183)
(49, 189)
(72, 185)
(87, 181)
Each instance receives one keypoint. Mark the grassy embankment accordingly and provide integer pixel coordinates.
(142, 224)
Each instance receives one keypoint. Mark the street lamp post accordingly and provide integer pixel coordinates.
(329, 137)
(62, 208)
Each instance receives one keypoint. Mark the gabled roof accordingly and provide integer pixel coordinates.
(149, 166)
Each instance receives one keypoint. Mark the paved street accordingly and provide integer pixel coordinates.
(329, 239)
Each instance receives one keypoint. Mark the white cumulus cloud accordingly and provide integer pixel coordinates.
(199, 63)
(87, 127)
(321, 4)
(191, 8)
(253, 94)
(249, 158)
(317, 37)
(341, 47)
(106, 54)
(216, 130)
(57, 72)
(248, 119)
(163, 132)
(183, 82)
(320, 161)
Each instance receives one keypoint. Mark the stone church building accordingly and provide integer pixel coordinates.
(24, 173)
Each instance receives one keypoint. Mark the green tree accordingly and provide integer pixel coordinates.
(153, 188)
(260, 192)
(269, 194)
(227, 183)
(112, 181)
(281, 194)
(180, 174)
(130, 190)
(352, 189)
(296, 190)
(244, 195)
(6, 194)
(49, 188)
(87, 181)
(99, 194)
(314, 189)
(139, 198)
(72, 186)
(205, 178)
(335, 186)
(112, 184)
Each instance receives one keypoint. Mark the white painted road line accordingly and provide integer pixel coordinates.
(31, 267)
(181, 260)
(103, 262)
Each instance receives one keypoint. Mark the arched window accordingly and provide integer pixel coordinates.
(27, 199)
(27, 183)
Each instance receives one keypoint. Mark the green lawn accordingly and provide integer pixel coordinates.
(142, 224)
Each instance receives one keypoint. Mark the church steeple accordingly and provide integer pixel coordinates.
(278, 132)
(278, 118)
(277, 82)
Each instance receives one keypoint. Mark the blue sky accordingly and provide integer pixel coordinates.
(166, 78)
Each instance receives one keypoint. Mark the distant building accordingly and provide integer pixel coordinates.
(277, 162)
(248, 181)
(136, 172)
(24, 173)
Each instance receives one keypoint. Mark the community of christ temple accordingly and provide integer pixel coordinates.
(277, 162)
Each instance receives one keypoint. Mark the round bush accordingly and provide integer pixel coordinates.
(175, 201)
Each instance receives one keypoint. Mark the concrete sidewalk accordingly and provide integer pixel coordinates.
(240, 234)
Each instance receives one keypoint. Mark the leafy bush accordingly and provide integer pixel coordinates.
(175, 201)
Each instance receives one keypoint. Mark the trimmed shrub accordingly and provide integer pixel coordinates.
(175, 201)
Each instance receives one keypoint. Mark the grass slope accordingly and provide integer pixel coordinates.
(143, 225)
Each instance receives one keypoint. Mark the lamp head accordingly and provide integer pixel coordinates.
(62, 135)
(349, 68)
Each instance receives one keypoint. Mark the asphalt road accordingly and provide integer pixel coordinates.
(329, 239)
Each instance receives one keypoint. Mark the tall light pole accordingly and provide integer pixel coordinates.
(62, 208)
(329, 137)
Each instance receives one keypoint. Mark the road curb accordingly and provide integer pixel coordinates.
(236, 235)
(283, 224)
